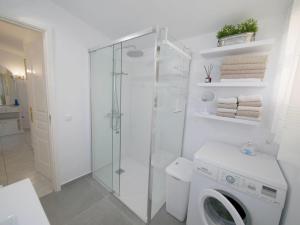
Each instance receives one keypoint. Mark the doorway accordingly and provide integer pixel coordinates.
(25, 140)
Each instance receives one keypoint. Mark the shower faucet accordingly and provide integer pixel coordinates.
(115, 123)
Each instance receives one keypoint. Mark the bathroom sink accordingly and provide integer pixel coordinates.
(9, 109)
(9, 112)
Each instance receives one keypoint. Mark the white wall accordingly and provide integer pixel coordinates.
(14, 63)
(198, 131)
(289, 155)
(71, 38)
(136, 103)
(288, 134)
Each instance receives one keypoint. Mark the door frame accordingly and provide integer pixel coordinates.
(48, 52)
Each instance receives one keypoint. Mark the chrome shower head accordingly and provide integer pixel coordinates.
(135, 53)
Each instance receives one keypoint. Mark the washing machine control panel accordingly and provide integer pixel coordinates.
(230, 178)
(250, 186)
(239, 182)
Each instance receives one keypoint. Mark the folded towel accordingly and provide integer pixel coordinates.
(250, 98)
(249, 108)
(248, 118)
(227, 100)
(227, 106)
(248, 114)
(240, 80)
(223, 110)
(242, 76)
(243, 67)
(254, 104)
(241, 59)
(231, 115)
(230, 72)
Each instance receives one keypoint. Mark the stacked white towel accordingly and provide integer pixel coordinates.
(227, 107)
(249, 107)
(243, 68)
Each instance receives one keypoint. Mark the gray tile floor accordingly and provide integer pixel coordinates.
(17, 163)
(85, 202)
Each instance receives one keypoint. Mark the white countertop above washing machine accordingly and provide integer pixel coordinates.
(262, 167)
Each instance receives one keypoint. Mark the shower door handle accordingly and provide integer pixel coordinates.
(116, 123)
(114, 115)
(122, 73)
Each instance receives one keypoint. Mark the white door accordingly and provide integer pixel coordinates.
(217, 208)
(38, 107)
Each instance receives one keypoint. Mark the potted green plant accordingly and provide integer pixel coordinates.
(236, 34)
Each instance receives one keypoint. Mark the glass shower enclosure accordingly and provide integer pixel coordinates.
(139, 90)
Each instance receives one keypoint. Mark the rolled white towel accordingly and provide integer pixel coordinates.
(242, 72)
(253, 104)
(227, 100)
(230, 115)
(248, 114)
(240, 80)
(249, 108)
(227, 106)
(250, 98)
(248, 118)
(223, 110)
(241, 59)
(258, 66)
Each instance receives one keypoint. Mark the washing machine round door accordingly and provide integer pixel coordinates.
(218, 208)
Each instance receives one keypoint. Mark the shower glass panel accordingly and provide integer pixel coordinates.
(138, 101)
(106, 116)
(122, 99)
(171, 94)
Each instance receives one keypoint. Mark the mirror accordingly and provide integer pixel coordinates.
(7, 87)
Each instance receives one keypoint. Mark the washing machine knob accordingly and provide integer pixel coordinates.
(230, 179)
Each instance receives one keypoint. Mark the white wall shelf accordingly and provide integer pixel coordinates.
(233, 84)
(252, 47)
(227, 119)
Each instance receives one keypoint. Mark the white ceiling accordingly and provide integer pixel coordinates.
(185, 18)
(12, 37)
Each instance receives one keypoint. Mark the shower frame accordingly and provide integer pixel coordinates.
(139, 34)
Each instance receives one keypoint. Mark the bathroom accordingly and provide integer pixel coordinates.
(152, 104)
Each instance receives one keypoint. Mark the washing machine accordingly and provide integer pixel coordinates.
(231, 188)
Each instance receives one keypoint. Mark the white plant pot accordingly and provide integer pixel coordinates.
(236, 39)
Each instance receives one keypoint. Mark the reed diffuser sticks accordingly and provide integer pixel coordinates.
(208, 69)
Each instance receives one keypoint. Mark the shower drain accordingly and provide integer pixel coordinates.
(119, 171)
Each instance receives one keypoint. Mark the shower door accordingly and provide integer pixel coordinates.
(122, 98)
(106, 75)
(138, 103)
